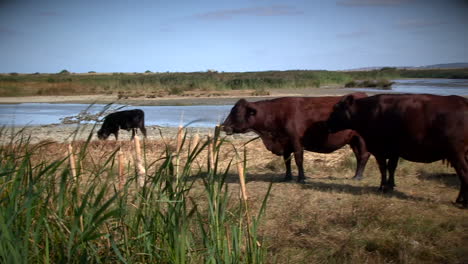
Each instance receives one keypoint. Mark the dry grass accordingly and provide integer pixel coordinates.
(331, 218)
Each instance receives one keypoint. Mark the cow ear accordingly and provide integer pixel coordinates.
(348, 100)
(251, 111)
(241, 102)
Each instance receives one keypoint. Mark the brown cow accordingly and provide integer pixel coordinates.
(294, 124)
(417, 127)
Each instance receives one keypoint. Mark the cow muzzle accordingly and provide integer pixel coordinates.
(227, 129)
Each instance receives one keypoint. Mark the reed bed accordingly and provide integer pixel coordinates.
(86, 202)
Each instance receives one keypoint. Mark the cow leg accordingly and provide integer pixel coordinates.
(461, 167)
(461, 198)
(142, 126)
(391, 165)
(116, 134)
(362, 156)
(287, 162)
(382, 162)
(299, 158)
(133, 133)
(143, 130)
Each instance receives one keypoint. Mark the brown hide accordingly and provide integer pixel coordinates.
(417, 127)
(292, 124)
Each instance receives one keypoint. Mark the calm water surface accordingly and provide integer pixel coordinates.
(172, 116)
(431, 86)
(200, 115)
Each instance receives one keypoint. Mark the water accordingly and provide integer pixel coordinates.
(430, 86)
(200, 115)
(170, 116)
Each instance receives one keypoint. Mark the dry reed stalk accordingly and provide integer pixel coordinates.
(139, 162)
(243, 195)
(180, 136)
(210, 152)
(243, 189)
(72, 161)
(121, 168)
(195, 140)
(217, 131)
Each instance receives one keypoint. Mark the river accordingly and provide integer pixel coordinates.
(430, 86)
(170, 116)
(196, 115)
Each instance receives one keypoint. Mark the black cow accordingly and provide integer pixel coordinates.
(417, 127)
(293, 124)
(129, 119)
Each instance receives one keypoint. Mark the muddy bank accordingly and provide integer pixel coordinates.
(67, 133)
(175, 100)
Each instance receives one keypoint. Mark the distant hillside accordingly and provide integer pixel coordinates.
(447, 66)
(457, 65)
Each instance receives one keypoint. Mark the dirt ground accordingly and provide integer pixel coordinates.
(331, 218)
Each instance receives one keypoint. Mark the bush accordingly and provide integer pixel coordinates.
(383, 84)
(351, 84)
(260, 92)
(64, 72)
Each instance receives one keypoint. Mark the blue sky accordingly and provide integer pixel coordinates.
(242, 35)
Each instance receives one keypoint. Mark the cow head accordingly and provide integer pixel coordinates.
(241, 118)
(340, 118)
(103, 134)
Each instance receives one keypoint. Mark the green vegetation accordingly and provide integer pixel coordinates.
(160, 84)
(49, 214)
(192, 213)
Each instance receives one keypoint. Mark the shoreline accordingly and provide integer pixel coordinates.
(62, 133)
(175, 100)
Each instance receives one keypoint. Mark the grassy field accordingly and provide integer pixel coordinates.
(153, 85)
(190, 211)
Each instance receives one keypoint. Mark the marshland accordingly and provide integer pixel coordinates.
(177, 196)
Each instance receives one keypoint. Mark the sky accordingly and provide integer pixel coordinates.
(48, 36)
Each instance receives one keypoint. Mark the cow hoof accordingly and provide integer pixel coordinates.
(301, 181)
(357, 178)
(460, 205)
(386, 189)
(286, 179)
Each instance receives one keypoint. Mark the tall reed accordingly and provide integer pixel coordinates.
(49, 216)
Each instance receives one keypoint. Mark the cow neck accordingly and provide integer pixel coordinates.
(263, 127)
(360, 118)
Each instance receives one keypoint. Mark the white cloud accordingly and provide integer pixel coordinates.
(355, 34)
(372, 2)
(275, 10)
(418, 23)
